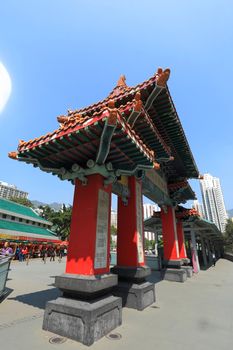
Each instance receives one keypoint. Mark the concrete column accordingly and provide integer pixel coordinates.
(181, 240)
(215, 245)
(203, 250)
(89, 244)
(195, 260)
(87, 283)
(170, 238)
(130, 233)
(156, 243)
(210, 258)
(135, 292)
(219, 250)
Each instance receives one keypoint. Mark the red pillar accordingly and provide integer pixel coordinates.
(89, 244)
(170, 241)
(181, 241)
(130, 250)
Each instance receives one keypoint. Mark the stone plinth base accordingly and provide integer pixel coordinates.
(188, 269)
(176, 275)
(85, 287)
(173, 263)
(186, 261)
(83, 321)
(136, 274)
(135, 296)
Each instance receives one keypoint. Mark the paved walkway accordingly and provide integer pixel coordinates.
(197, 314)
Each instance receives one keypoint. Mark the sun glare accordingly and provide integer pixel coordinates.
(5, 86)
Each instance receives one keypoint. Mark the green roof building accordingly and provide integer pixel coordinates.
(21, 223)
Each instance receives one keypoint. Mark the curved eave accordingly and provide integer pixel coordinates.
(182, 195)
(77, 147)
(166, 118)
(78, 139)
(207, 227)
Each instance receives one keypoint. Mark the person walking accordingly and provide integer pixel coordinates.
(61, 254)
(44, 254)
(17, 252)
(20, 254)
(52, 253)
(25, 253)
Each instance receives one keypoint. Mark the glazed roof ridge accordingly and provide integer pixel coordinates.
(118, 95)
(121, 85)
(71, 122)
(180, 212)
(186, 212)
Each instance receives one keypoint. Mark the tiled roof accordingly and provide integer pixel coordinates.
(185, 213)
(19, 209)
(15, 226)
(178, 185)
(181, 191)
(157, 129)
(180, 212)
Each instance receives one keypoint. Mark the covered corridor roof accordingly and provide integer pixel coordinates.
(191, 220)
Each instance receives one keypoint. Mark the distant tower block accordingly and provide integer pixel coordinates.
(213, 201)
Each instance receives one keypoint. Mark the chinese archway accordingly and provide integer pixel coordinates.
(131, 143)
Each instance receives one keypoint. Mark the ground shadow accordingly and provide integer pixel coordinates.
(228, 256)
(155, 277)
(38, 299)
(7, 292)
(204, 268)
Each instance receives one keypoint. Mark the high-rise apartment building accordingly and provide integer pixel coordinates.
(199, 207)
(213, 202)
(113, 217)
(148, 210)
(8, 191)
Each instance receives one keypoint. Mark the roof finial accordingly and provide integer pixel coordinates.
(122, 81)
(162, 76)
(13, 155)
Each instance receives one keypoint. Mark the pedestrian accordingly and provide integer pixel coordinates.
(17, 252)
(51, 253)
(28, 254)
(44, 254)
(6, 250)
(61, 253)
(214, 258)
(25, 253)
(20, 254)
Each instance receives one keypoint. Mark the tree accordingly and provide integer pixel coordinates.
(47, 212)
(113, 230)
(146, 244)
(228, 235)
(149, 244)
(61, 220)
(160, 242)
(22, 201)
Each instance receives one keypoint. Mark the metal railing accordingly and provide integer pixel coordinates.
(4, 269)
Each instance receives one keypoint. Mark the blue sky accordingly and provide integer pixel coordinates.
(68, 54)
